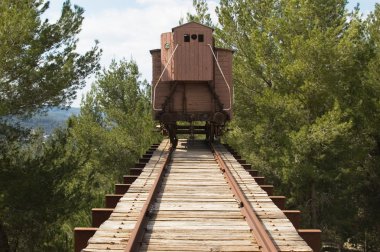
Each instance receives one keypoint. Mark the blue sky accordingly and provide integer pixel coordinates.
(366, 6)
(130, 28)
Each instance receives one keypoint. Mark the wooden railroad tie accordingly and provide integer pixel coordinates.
(132, 185)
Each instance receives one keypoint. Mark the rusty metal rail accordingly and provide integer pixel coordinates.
(264, 241)
(137, 235)
(258, 230)
(168, 209)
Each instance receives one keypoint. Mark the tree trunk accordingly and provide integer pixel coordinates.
(313, 206)
(4, 245)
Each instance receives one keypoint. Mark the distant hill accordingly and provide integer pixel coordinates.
(48, 122)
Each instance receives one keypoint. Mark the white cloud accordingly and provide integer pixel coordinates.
(126, 29)
(129, 29)
(131, 32)
(159, 2)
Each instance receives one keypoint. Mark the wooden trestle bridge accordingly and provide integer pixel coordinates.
(196, 197)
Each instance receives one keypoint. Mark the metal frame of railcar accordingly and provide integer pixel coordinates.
(184, 91)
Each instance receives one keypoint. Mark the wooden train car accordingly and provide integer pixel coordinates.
(192, 81)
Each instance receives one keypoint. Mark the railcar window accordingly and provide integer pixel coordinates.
(194, 36)
(186, 38)
(200, 38)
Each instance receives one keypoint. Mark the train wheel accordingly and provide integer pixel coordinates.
(218, 133)
(172, 129)
(211, 133)
(207, 126)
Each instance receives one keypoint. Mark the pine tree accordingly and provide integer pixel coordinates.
(39, 69)
(39, 65)
(115, 124)
(301, 106)
(201, 14)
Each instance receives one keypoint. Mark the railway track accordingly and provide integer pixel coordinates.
(195, 198)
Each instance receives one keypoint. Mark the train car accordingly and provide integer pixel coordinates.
(192, 82)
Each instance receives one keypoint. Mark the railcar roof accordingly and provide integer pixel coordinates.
(192, 22)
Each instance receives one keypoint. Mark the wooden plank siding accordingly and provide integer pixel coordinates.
(156, 64)
(192, 67)
(156, 72)
(193, 60)
(198, 97)
(191, 97)
(224, 58)
(162, 92)
(166, 53)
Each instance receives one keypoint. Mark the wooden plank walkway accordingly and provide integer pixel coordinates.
(279, 227)
(195, 209)
(114, 233)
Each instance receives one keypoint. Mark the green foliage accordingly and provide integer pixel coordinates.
(48, 186)
(115, 123)
(201, 14)
(114, 128)
(39, 69)
(307, 105)
(37, 193)
(39, 66)
(306, 110)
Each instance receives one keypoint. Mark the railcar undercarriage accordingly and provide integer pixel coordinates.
(212, 131)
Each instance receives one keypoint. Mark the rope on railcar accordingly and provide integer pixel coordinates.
(159, 79)
(224, 77)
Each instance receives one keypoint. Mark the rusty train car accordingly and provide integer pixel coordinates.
(192, 82)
